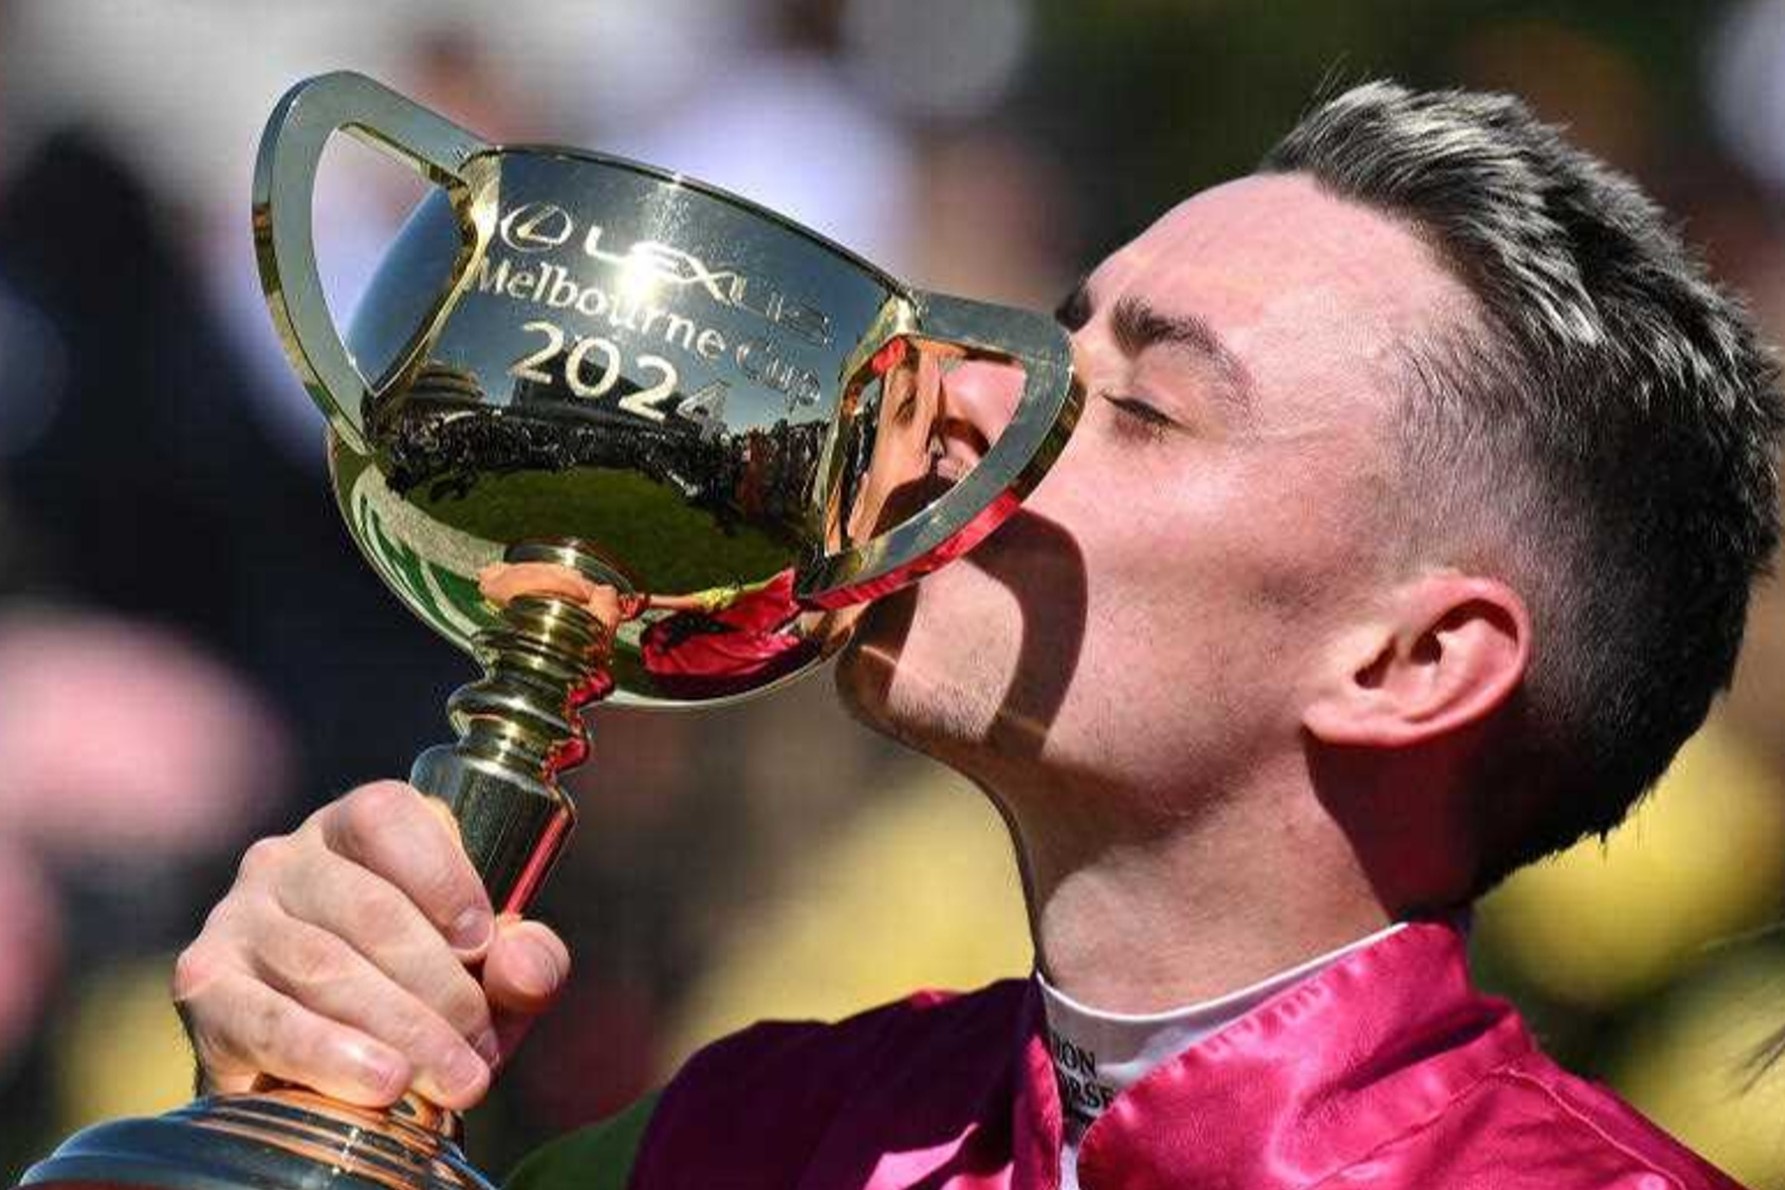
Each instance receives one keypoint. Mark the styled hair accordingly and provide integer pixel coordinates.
(1600, 434)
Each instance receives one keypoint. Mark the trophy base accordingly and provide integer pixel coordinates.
(519, 727)
(286, 1139)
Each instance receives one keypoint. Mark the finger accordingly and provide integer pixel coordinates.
(527, 969)
(372, 917)
(392, 830)
(323, 974)
(242, 1028)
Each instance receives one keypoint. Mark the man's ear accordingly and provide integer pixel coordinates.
(1443, 654)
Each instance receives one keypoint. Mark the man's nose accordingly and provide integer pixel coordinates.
(979, 397)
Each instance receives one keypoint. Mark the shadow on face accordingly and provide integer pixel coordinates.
(1051, 604)
(1405, 818)
(931, 417)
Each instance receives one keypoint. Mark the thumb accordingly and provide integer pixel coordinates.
(524, 972)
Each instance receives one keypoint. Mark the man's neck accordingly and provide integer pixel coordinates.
(1150, 917)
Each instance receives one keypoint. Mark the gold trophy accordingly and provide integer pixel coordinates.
(617, 434)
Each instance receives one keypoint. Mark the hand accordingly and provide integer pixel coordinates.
(344, 958)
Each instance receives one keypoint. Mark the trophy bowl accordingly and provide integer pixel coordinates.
(617, 433)
(562, 345)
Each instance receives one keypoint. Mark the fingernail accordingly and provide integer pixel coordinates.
(472, 929)
(543, 969)
(464, 1070)
(487, 1046)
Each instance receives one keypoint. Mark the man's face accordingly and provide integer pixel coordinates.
(1149, 624)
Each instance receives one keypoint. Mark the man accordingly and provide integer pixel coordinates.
(1407, 533)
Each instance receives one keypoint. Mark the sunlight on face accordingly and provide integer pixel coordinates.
(1216, 514)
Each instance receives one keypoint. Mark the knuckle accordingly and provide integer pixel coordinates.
(372, 811)
(229, 916)
(380, 804)
(233, 933)
(195, 969)
(360, 812)
(263, 859)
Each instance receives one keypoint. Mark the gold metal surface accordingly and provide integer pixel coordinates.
(566, 344)
(289, 1139)
(519, 728)
(284, 189)
(651, 388)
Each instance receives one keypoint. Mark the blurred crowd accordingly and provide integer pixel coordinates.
(191, 654)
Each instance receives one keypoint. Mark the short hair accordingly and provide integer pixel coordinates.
(1601, 434)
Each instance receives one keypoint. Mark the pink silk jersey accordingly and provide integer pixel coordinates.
(1386, 1069)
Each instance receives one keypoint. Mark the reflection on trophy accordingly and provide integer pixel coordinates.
(618, 435)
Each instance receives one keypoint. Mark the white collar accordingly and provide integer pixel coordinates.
(1099, 1054)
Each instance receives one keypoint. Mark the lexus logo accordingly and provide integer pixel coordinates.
(536, 227)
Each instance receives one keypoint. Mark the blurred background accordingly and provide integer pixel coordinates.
(192, 654)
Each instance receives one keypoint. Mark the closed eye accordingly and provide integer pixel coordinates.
(1148, 415)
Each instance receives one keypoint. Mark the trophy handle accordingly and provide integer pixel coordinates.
(1016, 462)
(284, 190)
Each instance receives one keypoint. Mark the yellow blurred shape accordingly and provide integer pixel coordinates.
(122, 1052)
(1686, 1066)
(918, 891)
(1699, 860)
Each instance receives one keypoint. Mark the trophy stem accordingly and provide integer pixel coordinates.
(519, 727)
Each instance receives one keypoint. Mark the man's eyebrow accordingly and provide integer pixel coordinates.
(1138, 326)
